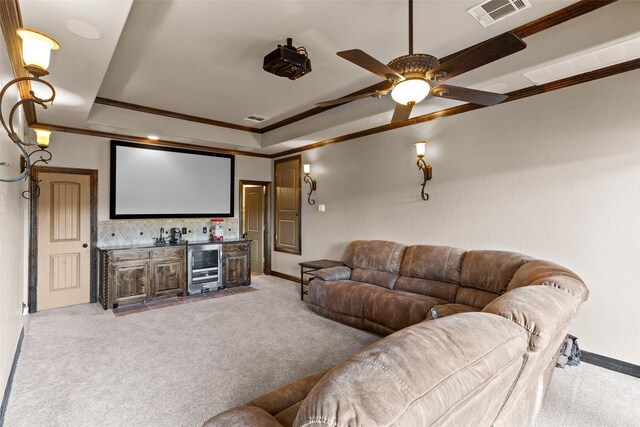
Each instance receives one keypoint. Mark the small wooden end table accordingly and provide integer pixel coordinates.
(308, 267)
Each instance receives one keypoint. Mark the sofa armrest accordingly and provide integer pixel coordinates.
(245, 415)
(333, 274)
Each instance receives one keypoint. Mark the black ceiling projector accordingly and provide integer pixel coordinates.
(288, 61)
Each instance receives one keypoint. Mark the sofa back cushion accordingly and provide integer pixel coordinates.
(376, 255)
(485, 275)
(413, 377)
(431, 270)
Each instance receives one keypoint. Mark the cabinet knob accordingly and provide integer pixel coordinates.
(85, 245)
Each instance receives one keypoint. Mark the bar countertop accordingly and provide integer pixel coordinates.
(182, 243)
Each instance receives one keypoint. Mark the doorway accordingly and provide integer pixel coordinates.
(63, 236)
(254, 204)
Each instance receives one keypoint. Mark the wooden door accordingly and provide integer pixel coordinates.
(64, 212)
(253, 224)
(287, 205)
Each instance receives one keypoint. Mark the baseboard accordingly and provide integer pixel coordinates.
(610, 363)
(286, 276)
(7, 390)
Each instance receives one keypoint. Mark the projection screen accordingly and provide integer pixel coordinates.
(162, 182)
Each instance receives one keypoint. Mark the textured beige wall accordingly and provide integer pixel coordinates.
(555, 176)
(12, 235)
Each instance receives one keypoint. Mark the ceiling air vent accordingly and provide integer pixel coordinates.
(492, 11)
(256, 118)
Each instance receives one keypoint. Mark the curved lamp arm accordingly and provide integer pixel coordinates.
(8, 127)
(426, 171)
(312, 188)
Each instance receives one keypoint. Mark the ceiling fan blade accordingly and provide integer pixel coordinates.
(379, 89)
(345, 99)
(368, 62)
(402, 112)
(478, 55)
(468, 95)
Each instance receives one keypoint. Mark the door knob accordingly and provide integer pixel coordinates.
(85, 245)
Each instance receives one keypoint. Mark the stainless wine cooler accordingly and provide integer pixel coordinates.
(204, 268)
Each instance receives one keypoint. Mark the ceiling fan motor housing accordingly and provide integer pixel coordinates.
(415, 65)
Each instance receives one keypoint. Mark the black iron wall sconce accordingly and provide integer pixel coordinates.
(312, 182)
(424, 167)
(36, 49)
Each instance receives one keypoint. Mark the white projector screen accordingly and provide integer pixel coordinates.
(162, 182)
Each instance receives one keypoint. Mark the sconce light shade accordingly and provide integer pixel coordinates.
(420, 148)
(36, 47)
(42, 137)
(306, 168)
(410, 90)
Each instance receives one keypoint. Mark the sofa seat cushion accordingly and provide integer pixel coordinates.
(396, 310)
(460, 365)
(443, 310)
(342, 296)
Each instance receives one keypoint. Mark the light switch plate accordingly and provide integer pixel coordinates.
(320, 208)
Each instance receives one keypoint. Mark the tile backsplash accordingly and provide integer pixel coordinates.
(139, 231)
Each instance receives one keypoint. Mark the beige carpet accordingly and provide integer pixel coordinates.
(178, 366)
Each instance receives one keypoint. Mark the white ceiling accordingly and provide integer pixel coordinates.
(204, 58)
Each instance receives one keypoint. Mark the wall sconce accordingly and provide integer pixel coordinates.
(423, 166)
(312, 182)
(36, 51)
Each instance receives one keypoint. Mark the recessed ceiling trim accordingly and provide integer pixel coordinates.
(172, 114)
(110, 135)
(560, 16)
(587, 61)
(513, 96)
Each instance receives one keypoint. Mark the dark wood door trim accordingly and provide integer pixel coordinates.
(266, 269)
(11, 20)
(33, 233)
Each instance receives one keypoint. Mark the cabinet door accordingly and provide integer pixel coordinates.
(168, 277)
(236, 265)
(130, 282)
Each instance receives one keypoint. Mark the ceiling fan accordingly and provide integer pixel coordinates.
(410, 78)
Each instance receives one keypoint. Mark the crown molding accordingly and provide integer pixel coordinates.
(160, 142)
(551, 20)
(172, 114)
(527, 92)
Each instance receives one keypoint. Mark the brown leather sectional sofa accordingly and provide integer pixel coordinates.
(473, 340)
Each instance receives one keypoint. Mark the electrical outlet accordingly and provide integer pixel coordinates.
(204, 230)
(184, 230)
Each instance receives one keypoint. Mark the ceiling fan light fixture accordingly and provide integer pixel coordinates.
(410, 91)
